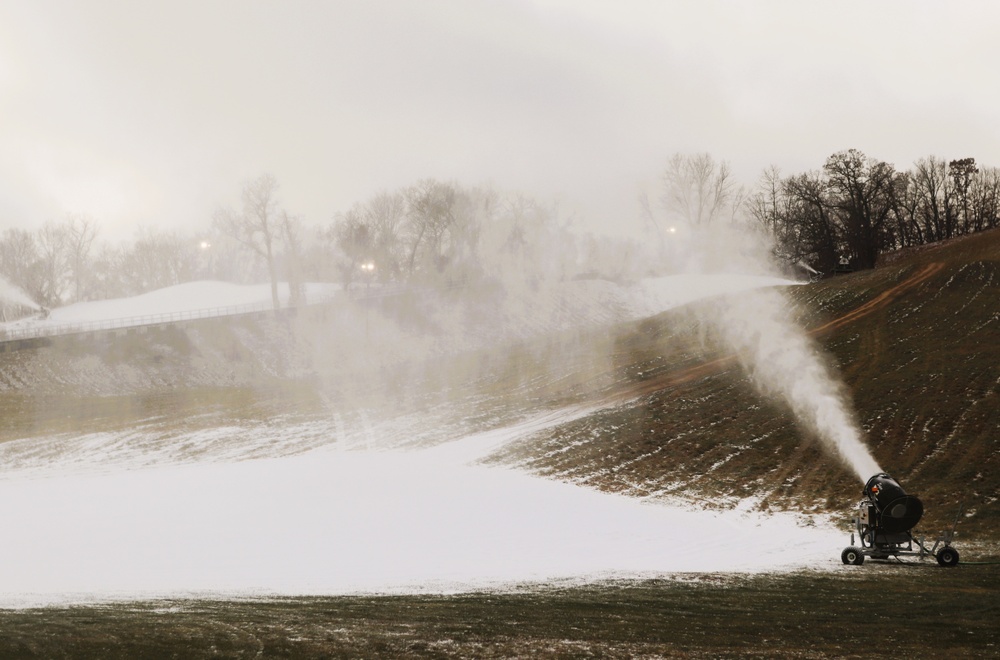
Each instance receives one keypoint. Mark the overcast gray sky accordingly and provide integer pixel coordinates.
(153, 113)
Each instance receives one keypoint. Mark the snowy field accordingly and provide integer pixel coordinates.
(88, 519)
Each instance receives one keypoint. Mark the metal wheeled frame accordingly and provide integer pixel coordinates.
(895, 545)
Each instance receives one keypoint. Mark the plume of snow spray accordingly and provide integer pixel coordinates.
(782, 360)
(12, 295)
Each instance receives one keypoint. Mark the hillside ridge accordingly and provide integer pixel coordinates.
(917, 343)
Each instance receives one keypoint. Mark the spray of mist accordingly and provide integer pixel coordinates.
(782, 360)
(12, 295)
(785, 363)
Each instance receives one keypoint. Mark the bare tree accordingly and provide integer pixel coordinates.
(385, 215)
(19, 261)
(934, 210)
(739, 204)
(768, 205)
(777, 207)
(697, 188)
(860, 188)
(651, 225)
(961, 173)
(257, 225)
(353, 239)
(108, 276)
(458, 247)
(291, 232)
(52, 254)
(811, 233)
(906, 228)
(431, 212)
(157, 259)
(985, 199)
(225, 258)
(527, 240)
(81, 231)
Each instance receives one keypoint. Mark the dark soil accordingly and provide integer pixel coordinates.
(917, 344)
(887, 610)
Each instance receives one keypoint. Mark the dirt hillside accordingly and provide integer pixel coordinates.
(917, 342)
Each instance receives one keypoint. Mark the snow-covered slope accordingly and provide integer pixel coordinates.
(201, 299)
(347, 335)
(188, 297)
(345, 520)
(523, 310)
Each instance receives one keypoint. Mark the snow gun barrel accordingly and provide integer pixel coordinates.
(894, 510)
(883, 522)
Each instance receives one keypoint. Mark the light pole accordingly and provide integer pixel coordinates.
(368, 270)
(207, 255)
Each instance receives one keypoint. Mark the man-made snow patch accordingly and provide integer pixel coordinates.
(332, 521)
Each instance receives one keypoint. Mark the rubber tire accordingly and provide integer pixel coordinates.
(947, 556)
(852, 556)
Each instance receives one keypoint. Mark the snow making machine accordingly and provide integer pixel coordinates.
(884, 524)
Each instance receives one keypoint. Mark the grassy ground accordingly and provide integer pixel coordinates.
(881, 609)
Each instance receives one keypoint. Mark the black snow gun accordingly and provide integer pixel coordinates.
(884, 522)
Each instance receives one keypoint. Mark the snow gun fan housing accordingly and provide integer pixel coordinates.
(884, 519)
(891, 513)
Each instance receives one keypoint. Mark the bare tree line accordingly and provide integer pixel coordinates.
(438, 233)
(845, 215)
(431, 233)
(856, 208)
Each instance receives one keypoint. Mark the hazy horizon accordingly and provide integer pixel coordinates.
(155, 113)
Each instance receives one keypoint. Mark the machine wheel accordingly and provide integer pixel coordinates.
(947, 556)
(853, 556)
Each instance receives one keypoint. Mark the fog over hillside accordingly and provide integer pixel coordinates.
(532, 328)
(371, 481)
(325, 505)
